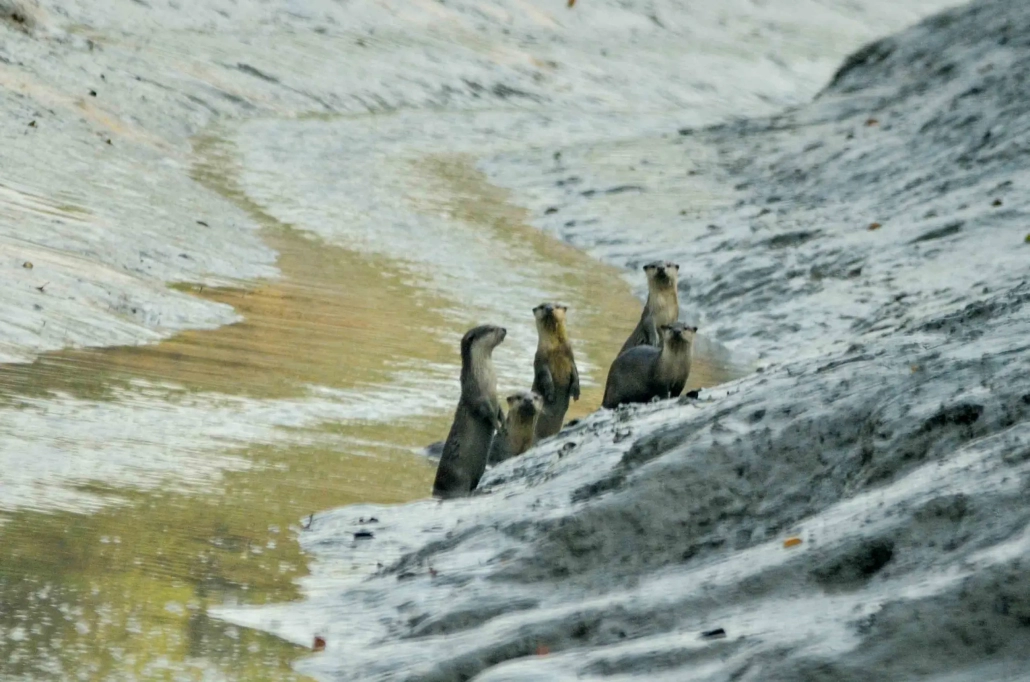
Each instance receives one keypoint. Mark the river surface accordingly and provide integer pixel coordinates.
(142, 484)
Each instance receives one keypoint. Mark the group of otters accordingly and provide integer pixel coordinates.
(653, 363)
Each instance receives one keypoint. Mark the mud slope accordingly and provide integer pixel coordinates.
(103, 103)
(872, 245)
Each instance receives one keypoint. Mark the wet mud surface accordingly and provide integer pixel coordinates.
(234, 275)
(854, 510)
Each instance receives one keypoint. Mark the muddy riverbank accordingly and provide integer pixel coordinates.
(234, 274)
(855, 510)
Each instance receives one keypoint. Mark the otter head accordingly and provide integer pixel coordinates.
(483, 338)
(550, 321)
(661, 274)
(678, 335)
(526, 404)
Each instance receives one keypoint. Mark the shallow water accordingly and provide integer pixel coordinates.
(145, 484)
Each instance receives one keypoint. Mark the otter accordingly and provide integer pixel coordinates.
(476, 419)
(519, 432)
(555, 376)
(645, 372)
(662, 306)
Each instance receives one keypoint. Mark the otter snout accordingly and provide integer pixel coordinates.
(662, 271)
(678, 331)
(525, 404)
(546, 311)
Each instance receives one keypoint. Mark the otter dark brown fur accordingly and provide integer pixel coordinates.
(519, 432)
(662, 306)
(555, 376)
(643, 373)
(476, 419)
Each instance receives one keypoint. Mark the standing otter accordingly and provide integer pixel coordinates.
(519, 432)
(555, 376)
(478, 416)
(646, 372)
(662, 307)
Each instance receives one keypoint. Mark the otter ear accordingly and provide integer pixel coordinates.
(511, 399)
(664, 328)
(693, 329)
(674, 265)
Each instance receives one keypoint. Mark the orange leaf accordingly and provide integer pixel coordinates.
(792, 542)
(542, 650)
(319, 644)
(875, 226)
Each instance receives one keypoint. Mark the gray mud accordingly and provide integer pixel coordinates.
(871, 246)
